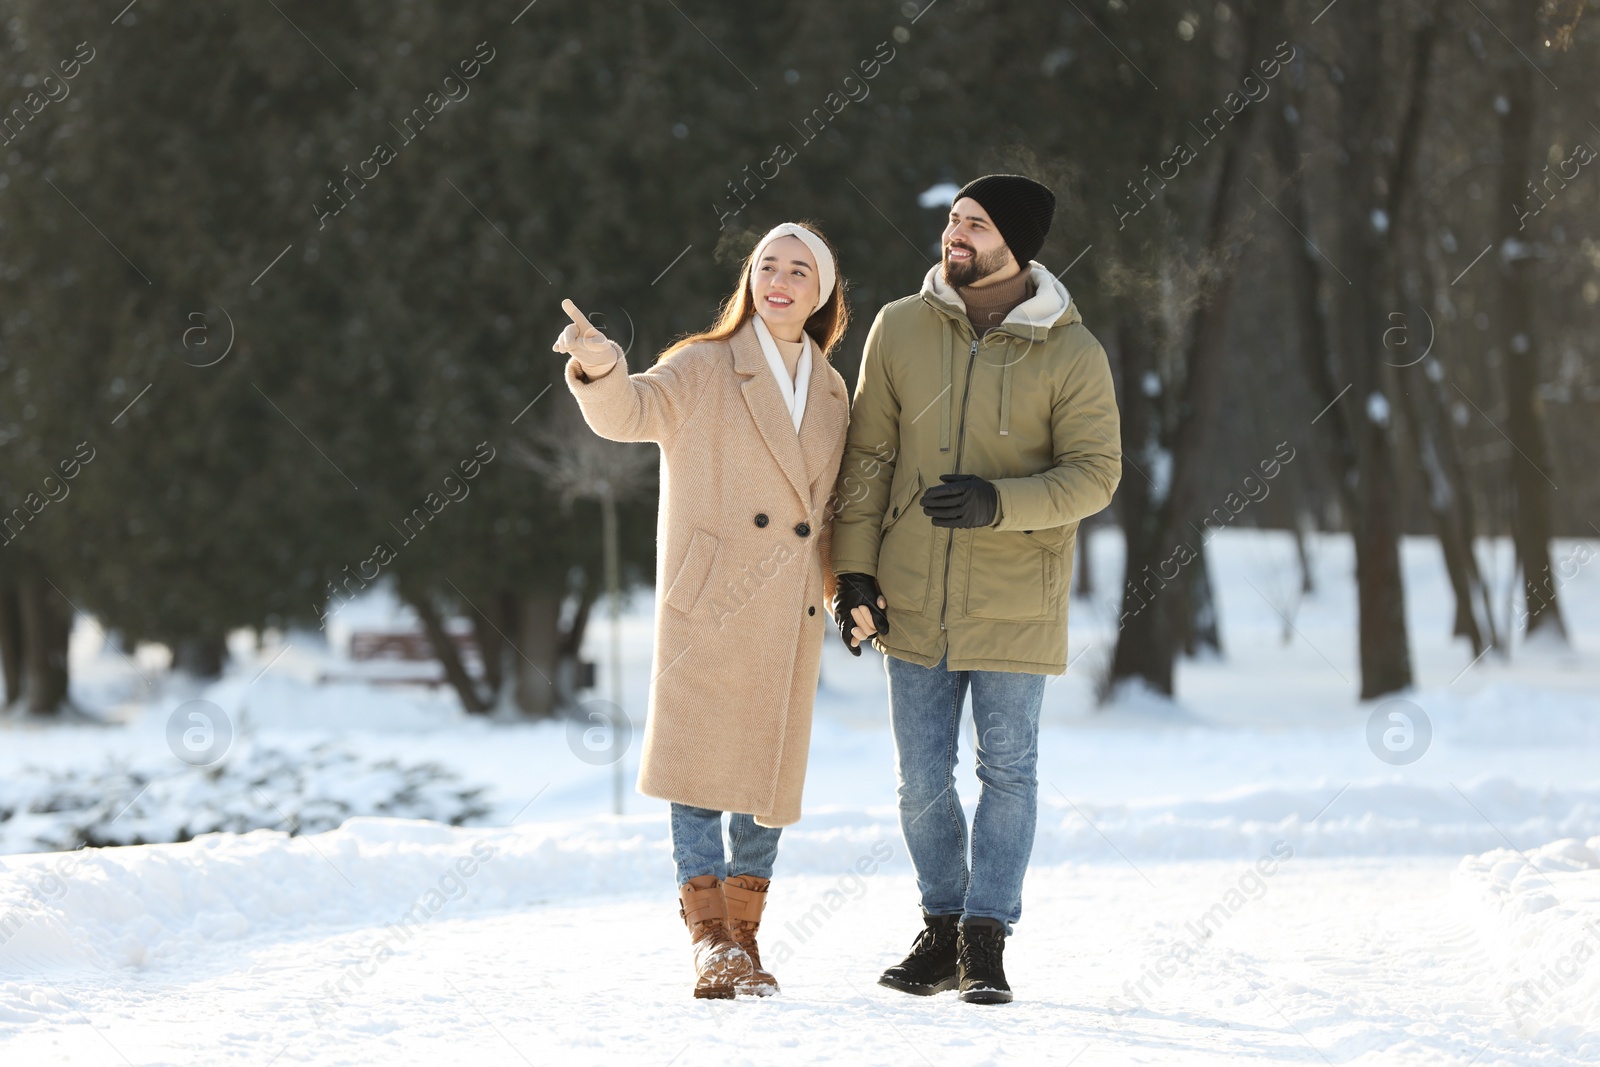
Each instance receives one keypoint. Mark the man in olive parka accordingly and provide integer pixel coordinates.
(984, 428)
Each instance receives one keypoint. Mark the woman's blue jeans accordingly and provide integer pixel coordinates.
(925, 714)
(697, 844)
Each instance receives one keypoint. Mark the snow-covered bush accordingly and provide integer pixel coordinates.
(302, 791)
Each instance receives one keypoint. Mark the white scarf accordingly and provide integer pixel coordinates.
(794, 392)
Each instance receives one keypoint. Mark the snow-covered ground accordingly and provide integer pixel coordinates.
(1239, 877)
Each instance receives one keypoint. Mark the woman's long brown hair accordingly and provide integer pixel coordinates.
(826, 325)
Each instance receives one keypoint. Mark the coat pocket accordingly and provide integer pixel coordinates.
(692, 572)
(1015, 575)
(905, 548)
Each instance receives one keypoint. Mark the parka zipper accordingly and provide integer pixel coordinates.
(961, 437)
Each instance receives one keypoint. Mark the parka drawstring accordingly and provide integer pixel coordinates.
(949, 397)
(1005, 391)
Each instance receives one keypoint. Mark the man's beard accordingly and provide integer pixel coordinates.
(980, 266)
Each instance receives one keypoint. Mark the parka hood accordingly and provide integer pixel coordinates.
(1050, 305)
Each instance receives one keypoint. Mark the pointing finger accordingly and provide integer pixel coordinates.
(577, 316)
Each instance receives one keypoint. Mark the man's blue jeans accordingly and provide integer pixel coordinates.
(925, 713)
(697, 844)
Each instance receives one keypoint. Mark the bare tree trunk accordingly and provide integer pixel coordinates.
(1302, 552)
(1449, 496)
(1455, 475)
(572, 638)
(1199, 617)
(538, 644)
(46, 626)
(1147, 650)
(1314, 329)
(201, 656)
(1443, 501)
(1359, 427)
(1305, 284)
(1364, 259)
(11, 643)
(1530, 482)
(444, 647)
(1145, 643)
(569, 680)
(486, 631)
(1424, 415)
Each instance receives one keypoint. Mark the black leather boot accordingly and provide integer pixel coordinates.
(931, 965)
(982, 974)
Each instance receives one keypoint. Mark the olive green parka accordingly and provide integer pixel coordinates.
(1030, 407)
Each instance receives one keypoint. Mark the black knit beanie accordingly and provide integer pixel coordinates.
(1020, 208)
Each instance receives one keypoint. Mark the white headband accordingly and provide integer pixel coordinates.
(819, 251)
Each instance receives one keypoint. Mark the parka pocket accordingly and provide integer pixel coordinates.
(905, 548)
(1015, 575)
(692, 572)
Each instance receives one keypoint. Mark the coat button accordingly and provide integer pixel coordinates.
(761, 518)
(811, 611)
(803, 529)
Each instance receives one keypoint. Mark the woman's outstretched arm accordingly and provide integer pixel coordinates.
(648, 406)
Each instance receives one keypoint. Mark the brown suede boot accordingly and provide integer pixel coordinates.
(746, 897)
(719, 962)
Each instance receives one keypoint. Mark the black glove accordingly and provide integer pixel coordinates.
(857, 590)
(965, 500)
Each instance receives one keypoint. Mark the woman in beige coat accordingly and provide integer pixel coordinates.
(751, 420)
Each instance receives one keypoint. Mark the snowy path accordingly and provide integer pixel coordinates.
(1346, 961)
(1441, 912)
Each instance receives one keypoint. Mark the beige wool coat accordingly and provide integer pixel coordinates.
(743, 567)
